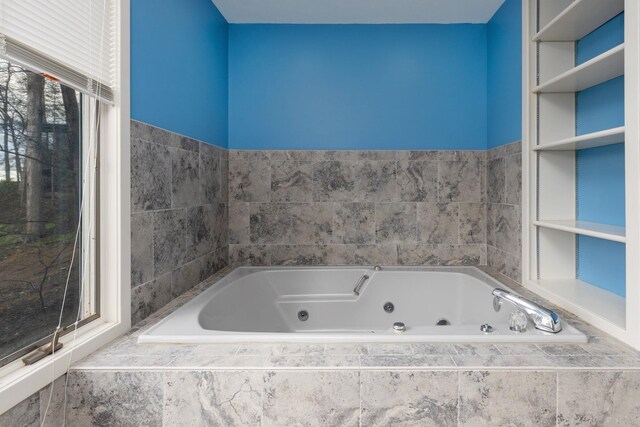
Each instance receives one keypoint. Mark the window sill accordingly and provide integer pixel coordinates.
(18, 382)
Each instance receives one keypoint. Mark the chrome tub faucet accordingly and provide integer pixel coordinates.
(543, 319)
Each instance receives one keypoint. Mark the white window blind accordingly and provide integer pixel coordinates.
(71, 40)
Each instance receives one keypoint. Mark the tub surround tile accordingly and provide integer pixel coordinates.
(149, 297)
(396, 223)
(211, 172)
(169, 240)
(434, 349)
(417, 180)
(180, 217)
(473, 223)
(212, 398)
(311, 398)
(314, 361)
(401, 361)
(459, 176)
(388, 349)
(334, 181)
(496, 170)
(502, 361)
(375, 180)
(301, 255)
(199, 361)
(150, 177)
(248, 255)
(476, 349)
(598, 398)
(507, 398)
(354, 223)
(291, 181)
(25, 413)
(504, 211)
(438, 222)
(418, 254)
(409, 398)
(114, 398)
(185, 182)
(249, 176)
(239, 213)
(141, 248)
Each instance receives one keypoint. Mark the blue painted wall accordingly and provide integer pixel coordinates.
(358, 87)
(600, 171)
(504, 77)
(179, 67)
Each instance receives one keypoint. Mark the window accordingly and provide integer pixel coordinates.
(43, 157)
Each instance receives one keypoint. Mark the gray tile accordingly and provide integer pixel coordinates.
(375, 180)
(210, 174)
(298, 255)
(291, 181)
(507, 228)
(52, 398)
(396, 222)
(409, 398)
(354, 223)
(97, 398)
(24, 414)
(169, 240)
(248, 255)
(185, 183)
(496, 180)
(418, 254)
(434, 349)
(438, 223)
(333, 181)
(239, 222)
(598, 398)
(249, 176)
(500, 398)
(406, 361)
(314, 361)
(462, 254)
(507, 264)
(473, 223)
(213, 262)
(311, 398)
(419, 155)
(293, 155)
(150, 177)
(418, 180)
(149, 297)
(219, 398)
(513, 180)
(141, 248)
(563, 349)
(311, 223)
(200, 231)
(395, 348)
(475, 349)
(500, 361)
(459, 177)
(185, 277)
(224, 176)
(270, 223)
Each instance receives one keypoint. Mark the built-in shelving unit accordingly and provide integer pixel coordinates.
(598, 70)
(592, 229)
(551, 248)
(590, 140)
(578, 19)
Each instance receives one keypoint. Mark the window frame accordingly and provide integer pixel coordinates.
(113, 271)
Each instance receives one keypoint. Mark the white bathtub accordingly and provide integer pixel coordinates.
(262, 304)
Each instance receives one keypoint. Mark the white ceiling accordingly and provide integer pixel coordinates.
(357, 11)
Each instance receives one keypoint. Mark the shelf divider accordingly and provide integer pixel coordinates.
(579, 19)
(590, 302)
(603, 67)
(581, 142)
(592, 229)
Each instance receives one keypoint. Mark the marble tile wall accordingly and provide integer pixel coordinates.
(179, 219)
(504, 209)
(347, 397)
(357, 207)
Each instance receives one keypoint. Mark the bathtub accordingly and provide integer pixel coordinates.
(318, 304)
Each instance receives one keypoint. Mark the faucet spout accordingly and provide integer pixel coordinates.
(543, 318)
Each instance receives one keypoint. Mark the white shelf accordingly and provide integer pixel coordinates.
(590, 140)
(598, 306)
(592, 229)
(579, 19)
(593, 72)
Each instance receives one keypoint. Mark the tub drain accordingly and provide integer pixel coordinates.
(388, 307)
(303, 315)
